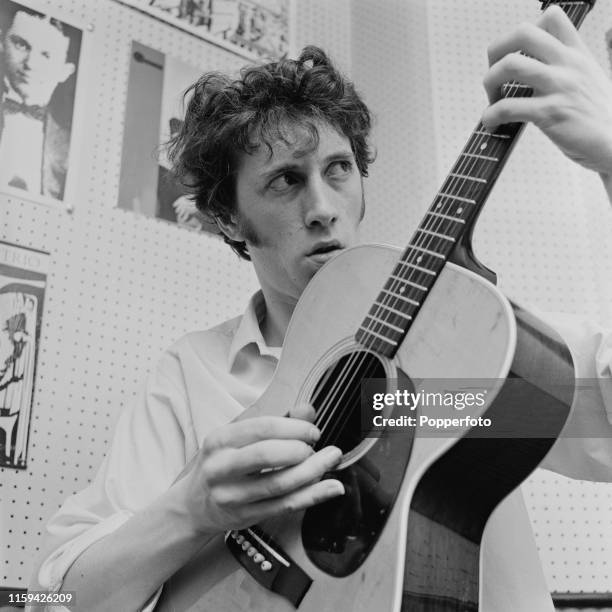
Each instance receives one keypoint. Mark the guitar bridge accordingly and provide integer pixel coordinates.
(266, 562)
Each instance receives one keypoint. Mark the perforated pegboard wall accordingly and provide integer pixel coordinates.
(121, 287)
(391, 69)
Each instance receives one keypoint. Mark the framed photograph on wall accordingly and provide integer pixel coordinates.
(23, 279)
(153, 113)
(40, 87)
(252, 28)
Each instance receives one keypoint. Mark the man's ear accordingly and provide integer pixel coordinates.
(230, 228)
(67, 71)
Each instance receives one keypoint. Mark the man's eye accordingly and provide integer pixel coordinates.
(19, 43)
(341, 167)
(282, 182)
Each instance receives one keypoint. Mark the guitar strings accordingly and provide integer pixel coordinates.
(469, 167)
(328, 409)
(451, 183)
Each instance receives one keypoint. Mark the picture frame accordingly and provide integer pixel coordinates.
(255, 29)
(23, 281)
(42, 89)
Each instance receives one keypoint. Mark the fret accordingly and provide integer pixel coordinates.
(398, 296)
(485, 157)
(408, 282)
(513, 88)
(443, 216)
(380, 321)
(411, 301)
(424, 250)
(395, 311)
(444, 236)
(379, 336)
(419, 268)
(455, 197)
(416, 285)
(468, 177)
(492, 134)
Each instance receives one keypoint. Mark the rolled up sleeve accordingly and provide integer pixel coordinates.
(584, 448)
(151, 443)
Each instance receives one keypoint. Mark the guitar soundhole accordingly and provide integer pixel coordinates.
(337, 399)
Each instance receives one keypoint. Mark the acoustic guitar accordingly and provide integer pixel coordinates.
(406, 535)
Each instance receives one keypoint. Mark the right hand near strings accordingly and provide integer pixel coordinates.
(257, 468)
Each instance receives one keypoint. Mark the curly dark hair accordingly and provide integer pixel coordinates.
(226, 118)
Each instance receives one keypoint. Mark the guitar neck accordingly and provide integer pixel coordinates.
(449, 220)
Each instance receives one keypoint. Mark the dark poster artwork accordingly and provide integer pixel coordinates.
(23, 278)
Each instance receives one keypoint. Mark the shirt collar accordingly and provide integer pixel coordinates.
(248, 331)
(9, 92)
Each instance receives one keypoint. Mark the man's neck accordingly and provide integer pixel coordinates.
(278, 314)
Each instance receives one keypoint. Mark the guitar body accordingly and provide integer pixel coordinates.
(406, 535)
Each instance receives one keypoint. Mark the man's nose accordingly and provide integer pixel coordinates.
(27, 60)
(321, 208)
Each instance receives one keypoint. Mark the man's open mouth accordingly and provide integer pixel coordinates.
(324, 251)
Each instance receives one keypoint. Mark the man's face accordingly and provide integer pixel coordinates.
(35, 58)
(297, 207)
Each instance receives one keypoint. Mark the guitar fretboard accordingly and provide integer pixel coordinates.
(453, 211)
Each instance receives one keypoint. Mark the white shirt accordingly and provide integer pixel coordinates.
(21, 149)
(209, 377)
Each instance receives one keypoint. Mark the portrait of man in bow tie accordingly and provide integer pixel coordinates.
(38, 62)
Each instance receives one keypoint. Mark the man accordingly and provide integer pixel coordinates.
(277, 158)
(34, 142)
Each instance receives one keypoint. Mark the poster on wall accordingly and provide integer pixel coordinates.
(252, 28)
(23, 278)
(154, 112)
(40, 58)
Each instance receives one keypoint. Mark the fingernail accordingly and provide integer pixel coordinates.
(315, 434)
(332, 453)
(335, 487)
